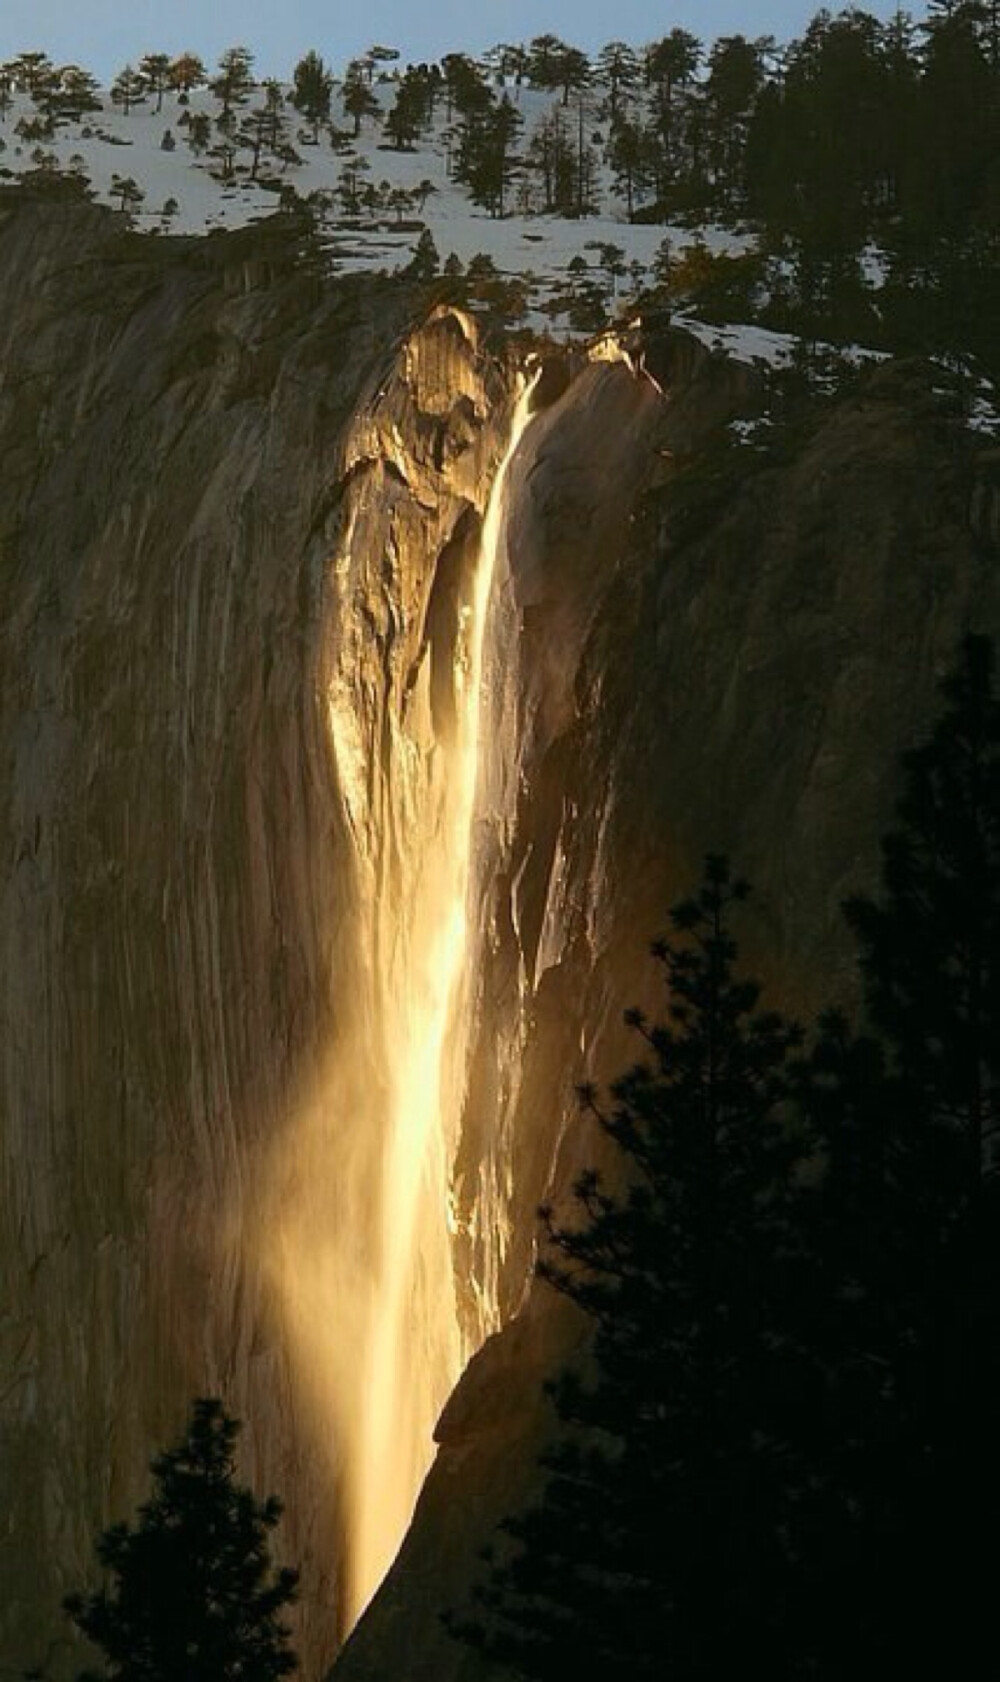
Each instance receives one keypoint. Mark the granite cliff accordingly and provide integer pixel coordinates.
(243, 522)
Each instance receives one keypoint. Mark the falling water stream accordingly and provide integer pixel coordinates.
(406, 1349)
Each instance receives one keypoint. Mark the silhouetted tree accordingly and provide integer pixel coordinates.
(191, 1591)
(657, 1546)
(264, 128)
(930, 942)
(32, 71)
(910, 1317)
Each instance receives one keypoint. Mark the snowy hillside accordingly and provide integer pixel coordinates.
(195, 161)
(184, 191)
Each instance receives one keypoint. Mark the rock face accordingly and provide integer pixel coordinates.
(243, 516)
(176, 910)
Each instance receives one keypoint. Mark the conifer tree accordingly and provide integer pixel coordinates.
(930, 943)
(128, 89)
(545, 54)
(486, 151)
(312, 90)
(617, 68)
(656, 1549)
(155, 70)
(191, 1592)
(235, 78)
(425, 261)
(127, 191)
(358, 99)
(33, 71)
(74, 94)
(199, 132)
(907, 1112)
(626, 155)
(406, 115)
(552, 157)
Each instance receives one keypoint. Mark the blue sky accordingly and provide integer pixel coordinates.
(103, 34)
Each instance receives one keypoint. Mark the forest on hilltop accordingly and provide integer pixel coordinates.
(861, 161)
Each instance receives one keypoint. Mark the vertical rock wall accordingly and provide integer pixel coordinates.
(179, 448)
(238, 505)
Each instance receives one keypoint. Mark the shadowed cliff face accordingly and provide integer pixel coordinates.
(240, 522)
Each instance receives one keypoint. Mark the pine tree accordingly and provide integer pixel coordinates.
(907, 1114)
(155, 69)
(127, 191)
(128, 89)
(312, 90)
(574, 71)
(486, 152)
(74, 94)
(357, 96)
(406, 115)
(466, 87)
(930, 944)
(626, 155)
(656, 1548)
(233, 83)
(735, 74)
(545, 54)
(32, 71)
(191, 1593)
(552, 156)
(264, 128)
(617, 69)
(199, 132)
(425, 262)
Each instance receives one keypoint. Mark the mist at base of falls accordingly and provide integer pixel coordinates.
(362, 1256)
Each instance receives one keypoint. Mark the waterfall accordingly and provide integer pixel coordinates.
(365, 1272)
(414, 1318)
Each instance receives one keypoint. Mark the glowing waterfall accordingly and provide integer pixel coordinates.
(358, 1237)
(413, 1317)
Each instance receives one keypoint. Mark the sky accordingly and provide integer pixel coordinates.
(104, 34)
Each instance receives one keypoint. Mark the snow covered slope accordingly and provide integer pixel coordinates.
(184, 192)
